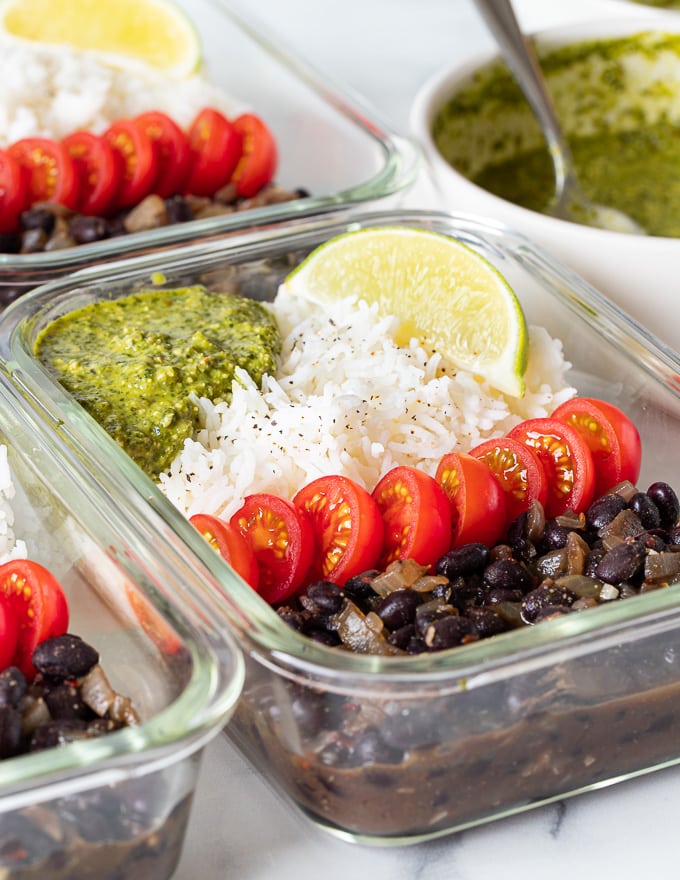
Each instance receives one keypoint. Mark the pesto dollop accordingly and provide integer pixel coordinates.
(134, 363)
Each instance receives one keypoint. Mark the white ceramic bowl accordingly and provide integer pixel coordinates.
(639, 273)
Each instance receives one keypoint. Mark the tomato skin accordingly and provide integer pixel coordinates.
(612, 437)
(50, 172)
(259, 157)
(416, 514)
(215, 147)
(39, 605)
(9, 632)
(518, 470)
(138, 166)
(230, 544)
(13, 192)
(348, 527)
(478, 511)
(172, 149)
(97, 167)
(566, 459)
(282, 538)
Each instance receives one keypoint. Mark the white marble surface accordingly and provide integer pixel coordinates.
(240, 829)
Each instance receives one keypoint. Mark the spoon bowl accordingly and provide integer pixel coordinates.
(569, 201)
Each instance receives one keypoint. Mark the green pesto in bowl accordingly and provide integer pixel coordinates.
(619, 103)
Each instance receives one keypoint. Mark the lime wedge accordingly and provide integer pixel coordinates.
(445, 293)
(152, 32)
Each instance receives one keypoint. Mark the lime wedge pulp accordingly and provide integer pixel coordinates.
(445, 293)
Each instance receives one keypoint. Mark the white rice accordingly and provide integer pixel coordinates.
(52, 91)
(348, 400)
(10, 547)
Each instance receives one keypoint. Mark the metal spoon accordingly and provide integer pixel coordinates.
(569, 202)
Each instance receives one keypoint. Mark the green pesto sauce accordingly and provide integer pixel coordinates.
(620, 109)
(133, 363)
(637, 172)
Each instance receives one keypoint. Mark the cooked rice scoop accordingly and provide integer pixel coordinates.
(348, 400)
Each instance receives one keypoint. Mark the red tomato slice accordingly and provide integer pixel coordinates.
(172, 151)
(137, 160)
(39, 605)
(230, 544)
(97, 168)
(416, 514)
(259, 157)
(13, 192)
(566, 459)
(477, 501)
(282, 539)
(215, 149)
(9, 632)
(611, 436)
(518, 470)
(348, 527)
(50, 172)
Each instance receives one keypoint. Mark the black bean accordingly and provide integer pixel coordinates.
(12, 686)
(621, 563)
(10, 731)
(57, 733)
(371, 748)
(426, 615)
(179, 209)
(486, 622)
(292, 617)
(548, 595)
(360, 589)
(507, 574)
(466, 592)
(398, 608)
(66, 656)
(410, 728)
(323, 636)
(647, 511)
(64, 702)
(401, 637)
(326, 598)
(310, 712)
(554, 536)
(449, 632)
(85, 230)
(674, 536)
(603, 510)
(38, 218)
(462, 561)
(10, 243)
(667, 502)
(498, 595)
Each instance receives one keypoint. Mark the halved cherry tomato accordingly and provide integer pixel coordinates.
(97, 167)
(138, 162)
(9, 632)
(39, 604)
(348, 527)
(50, 172)
(417, 516)
(566, 459)
(13, 192)
(282, 539)
(518, 470)
(230, 544)
(172, 151)
(477, 501)
(611, 436)
(259, 157)
(215, 149)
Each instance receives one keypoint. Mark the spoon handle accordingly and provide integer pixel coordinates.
(518, 51)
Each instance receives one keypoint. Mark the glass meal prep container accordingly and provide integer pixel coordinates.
(332, 147)
(478, 732)
(116, 805)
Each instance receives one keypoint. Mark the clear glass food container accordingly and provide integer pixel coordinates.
(478, 732)
(116, 805)
(332, 146)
